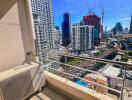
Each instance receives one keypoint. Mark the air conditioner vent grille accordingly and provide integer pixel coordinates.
(17, 87)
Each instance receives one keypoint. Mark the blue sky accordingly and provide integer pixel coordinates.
(115, 10)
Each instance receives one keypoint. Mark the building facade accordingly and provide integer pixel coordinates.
(94, 20)
(82, 37)
(43, 9)
(56, 36)
(130, 30)
(127, 44)
(118, 28)
(39, 42)
(50, 24)
(66, 29)
(126, 30)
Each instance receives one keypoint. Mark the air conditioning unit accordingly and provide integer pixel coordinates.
(18, 83)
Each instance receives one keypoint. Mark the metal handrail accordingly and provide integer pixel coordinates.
(124, 64)
(79, 67)
(83, 69)
(121, 64)
(85, 80)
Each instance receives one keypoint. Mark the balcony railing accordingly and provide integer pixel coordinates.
(123, 65)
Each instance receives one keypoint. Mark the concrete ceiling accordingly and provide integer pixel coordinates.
(5, 6)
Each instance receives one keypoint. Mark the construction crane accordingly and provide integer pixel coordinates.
(88, 7)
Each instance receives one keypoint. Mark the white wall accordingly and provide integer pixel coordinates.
(11, 46)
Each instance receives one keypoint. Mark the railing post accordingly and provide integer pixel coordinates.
(65, 58)
(65, 63)
(123, 82)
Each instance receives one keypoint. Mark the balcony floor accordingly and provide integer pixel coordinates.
(49, 94)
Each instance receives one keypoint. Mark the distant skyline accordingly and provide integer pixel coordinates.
(115, 10)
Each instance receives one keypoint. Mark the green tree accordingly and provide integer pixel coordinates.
(130, 53)
(125, 58)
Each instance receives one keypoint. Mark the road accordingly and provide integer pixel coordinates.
(88, 64)
(109, 65)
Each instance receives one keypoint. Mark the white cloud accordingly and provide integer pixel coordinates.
(69, 0)
(125, 19)
(71, 12)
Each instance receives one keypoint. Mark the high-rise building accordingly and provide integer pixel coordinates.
(94, 20)
(39, 42)
(56, 36)
(130, 31)
(50, 24)
(43, 9)
(113, 31)
(125, 30)
(66, 29)
(22, 77)
(82, 37)
(118, 28)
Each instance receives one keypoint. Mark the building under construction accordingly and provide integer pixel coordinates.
(94, 20)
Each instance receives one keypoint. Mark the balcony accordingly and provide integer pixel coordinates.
(23, 77)
(35, 83)
(113, 94)
(43, 81)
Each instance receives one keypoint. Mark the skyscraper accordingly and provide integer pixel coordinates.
(93, 20)
(56, 36)
(118, 28)
(50, 24)
(43, 10)
(130, 31)
(66, 29)
(82, 37)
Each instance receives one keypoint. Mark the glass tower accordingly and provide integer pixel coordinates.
(66, 29)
